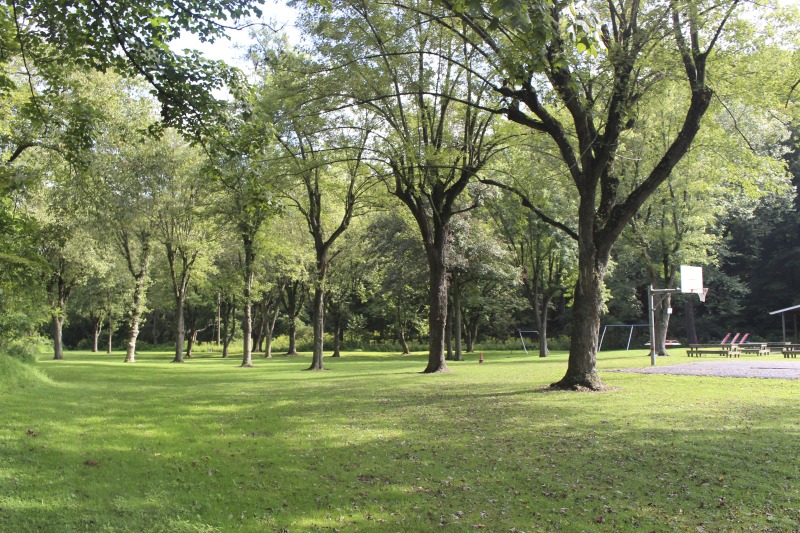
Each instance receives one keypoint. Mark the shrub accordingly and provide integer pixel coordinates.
(24, 349)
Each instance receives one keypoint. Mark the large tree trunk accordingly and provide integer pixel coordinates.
(58, 345)
(586, 313)
(437, 319)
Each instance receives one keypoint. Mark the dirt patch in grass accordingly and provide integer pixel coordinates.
(727, 368)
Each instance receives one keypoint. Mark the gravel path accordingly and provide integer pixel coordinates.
(727, 368)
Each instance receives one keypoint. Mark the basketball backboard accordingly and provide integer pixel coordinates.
(692, 281)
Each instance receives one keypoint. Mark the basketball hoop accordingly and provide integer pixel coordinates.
(701, 293)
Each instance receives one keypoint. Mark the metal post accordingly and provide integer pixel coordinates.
(630, 336)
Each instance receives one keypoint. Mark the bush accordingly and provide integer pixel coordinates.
(560, 343)
(25, 349)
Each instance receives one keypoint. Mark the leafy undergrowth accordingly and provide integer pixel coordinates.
(373, 445)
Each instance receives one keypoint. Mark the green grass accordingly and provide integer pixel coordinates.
(372, 445)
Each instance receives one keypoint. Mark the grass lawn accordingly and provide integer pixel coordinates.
(372, 445)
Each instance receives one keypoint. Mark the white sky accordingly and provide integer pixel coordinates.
(276, 14)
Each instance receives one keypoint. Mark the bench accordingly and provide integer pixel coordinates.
(791, 350)
(727, 350)
(776, 347)
(756, 348)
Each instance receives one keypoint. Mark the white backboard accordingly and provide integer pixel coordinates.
(691, 279)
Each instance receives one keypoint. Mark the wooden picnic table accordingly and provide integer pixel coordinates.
(791, 350)
(727, 350)
(757, 348)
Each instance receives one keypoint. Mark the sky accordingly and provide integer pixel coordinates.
(276, 14)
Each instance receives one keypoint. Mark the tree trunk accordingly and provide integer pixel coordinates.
(260, 322)
(543, 350)
(318, 319)
(318, 313)
(472, 332)
(190, 340)
(292, 337)
(691, 331)
(270, 331)
(448, 336)
(247, 341)
(180, 330)
(110, 339)
(228, 338)
(58, 345)
(586, 313)
(228, 327)
(458, 355)
(98, 329)
(437, 319)
(662, 324)
(155, 331)
(403, 341)
(247, 322)
(136, 315)
(337, 336)
(292, 298)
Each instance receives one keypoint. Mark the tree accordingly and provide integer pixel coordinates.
(184, 229)
(437, 139)
(585, 104)
(477, 261)
(345, 181)
(738, 161)
(123, 182)
(247, 184)
(545, 260)
(395, 258)
(53, 38)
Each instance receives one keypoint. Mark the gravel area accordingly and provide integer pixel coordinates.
(787, 369)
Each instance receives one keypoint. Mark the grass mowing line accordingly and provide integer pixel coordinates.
(373, 445)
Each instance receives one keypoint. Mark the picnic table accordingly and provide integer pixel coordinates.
(756, 348)
(791, 350)
(726, 350)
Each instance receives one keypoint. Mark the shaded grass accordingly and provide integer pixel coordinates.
(372, 445)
